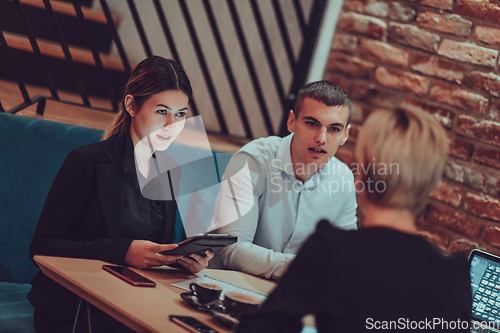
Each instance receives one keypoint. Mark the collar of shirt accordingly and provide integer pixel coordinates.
(284, 155)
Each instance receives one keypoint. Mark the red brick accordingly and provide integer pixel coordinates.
(482, 130)
(463, 245)
(443, 4)
(488, 156)
(350, 66)
(480, 9)
(413, 36)
(340, 80)
(452, 220)
(461, 148)
(447, 193)
(435, 235)
(399, 11)
(372, 95)
(354, 133)
(377, 8)
(443, 115)
(488, 35)
(345, 155)
(491, 234)
(382, 52)
(472, 178)
(491, 249)
(355, 5)
(482, 206)
(436, 66)
(371, 7)
(467, 52)
(450, 94)
(402, 80)
(362, 24)
(346, 43)
(448, 23)
(484, 81)
(359, 112)
(494, 113)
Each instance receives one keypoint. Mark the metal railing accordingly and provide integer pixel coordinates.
(306, 21)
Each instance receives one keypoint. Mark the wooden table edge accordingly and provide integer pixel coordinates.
(81, 291)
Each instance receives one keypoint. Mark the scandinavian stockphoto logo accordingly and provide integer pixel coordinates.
(428, 324)
(336, 178)
(188, 172)
(368, 171)
(332, 178)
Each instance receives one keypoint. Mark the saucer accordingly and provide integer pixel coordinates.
(192, 301)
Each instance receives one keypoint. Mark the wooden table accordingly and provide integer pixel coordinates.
(142, 309)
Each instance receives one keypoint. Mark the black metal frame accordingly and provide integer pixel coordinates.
(299, 67)
(305, 56)
(95, 53)
(250, 66)
(171, 44)
(204, 67)
(36, 51)
(227, 68)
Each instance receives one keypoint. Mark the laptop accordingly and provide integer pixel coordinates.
(485, 282)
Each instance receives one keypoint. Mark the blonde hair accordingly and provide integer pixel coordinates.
(406, 151)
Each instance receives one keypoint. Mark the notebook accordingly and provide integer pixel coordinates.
(485, 282)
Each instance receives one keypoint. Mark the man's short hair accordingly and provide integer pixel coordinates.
(325, 92)
(404, 152)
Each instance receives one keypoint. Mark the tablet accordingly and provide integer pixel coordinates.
(200, 243)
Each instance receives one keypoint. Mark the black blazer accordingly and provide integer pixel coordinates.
(82, 213)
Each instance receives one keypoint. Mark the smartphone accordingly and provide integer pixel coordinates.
(128, 275)
(192, 324)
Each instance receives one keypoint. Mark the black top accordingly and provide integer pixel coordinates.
(356, 280)
(142, 218)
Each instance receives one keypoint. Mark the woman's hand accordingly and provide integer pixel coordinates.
(195, 263)
(144, 254)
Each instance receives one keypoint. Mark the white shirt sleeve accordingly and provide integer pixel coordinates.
(237, 212)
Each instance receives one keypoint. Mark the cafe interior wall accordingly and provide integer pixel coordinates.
(440, 56)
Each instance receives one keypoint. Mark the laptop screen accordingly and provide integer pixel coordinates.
(485, 282)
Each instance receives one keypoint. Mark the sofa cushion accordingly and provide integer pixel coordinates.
(32, 151)
(16, 313)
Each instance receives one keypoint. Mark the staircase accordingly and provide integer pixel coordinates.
(248, 58)
(35, 36)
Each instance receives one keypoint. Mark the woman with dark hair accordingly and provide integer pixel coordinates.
(95, 208)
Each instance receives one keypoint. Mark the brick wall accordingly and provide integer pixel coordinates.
(440, 56)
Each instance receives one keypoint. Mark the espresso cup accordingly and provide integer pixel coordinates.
(205, 292)
(240, 303)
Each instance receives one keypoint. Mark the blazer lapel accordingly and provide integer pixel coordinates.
(110, 185)
(111, 196)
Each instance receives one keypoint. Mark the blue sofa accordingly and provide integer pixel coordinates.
(32, 151)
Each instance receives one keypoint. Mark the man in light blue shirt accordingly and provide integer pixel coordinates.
(281, 187)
